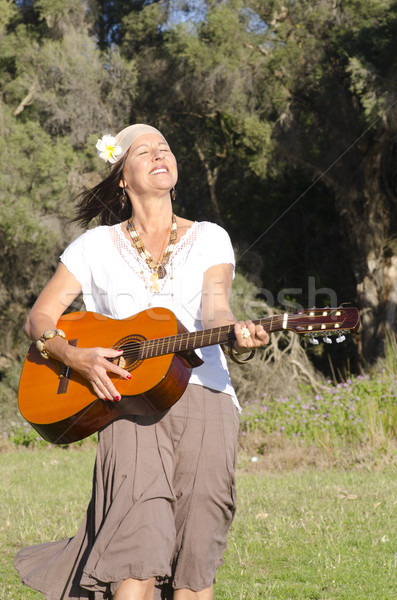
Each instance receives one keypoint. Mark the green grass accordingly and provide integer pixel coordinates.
(301, 535)
(43, 497)
(313, 535)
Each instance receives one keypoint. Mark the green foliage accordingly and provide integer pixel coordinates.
(142, 30)
(360, 410)
(59, 16)
(58, 90)
(10, 370)
(22, 435)
(25, 436)
(28, 225)
(362, 84)
(65, 84)
(8, 13)
(111, 17)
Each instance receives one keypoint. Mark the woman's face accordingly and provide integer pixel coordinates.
(149, 166)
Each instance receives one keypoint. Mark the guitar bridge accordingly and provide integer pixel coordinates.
(65, 373)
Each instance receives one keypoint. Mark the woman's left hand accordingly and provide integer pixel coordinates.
(249, 336)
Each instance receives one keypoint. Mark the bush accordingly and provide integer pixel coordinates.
(362, 409)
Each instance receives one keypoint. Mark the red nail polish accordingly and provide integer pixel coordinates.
(129, 376)
(117, 398)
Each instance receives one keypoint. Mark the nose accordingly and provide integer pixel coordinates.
(158, 153)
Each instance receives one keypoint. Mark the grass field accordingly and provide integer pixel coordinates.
(302, 534)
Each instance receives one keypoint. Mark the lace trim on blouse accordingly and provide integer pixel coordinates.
(139, 266)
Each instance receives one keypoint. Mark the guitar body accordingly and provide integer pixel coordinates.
(64, 408)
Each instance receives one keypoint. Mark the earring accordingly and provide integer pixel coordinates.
(173, 193)
(123, 199)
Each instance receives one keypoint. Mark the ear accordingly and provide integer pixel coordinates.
(122, 183)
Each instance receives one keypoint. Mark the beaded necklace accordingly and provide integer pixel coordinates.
(158, 269)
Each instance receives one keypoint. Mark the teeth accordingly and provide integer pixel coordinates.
(158, 171)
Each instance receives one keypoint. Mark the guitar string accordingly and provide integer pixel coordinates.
(145, 348)
(182, 338)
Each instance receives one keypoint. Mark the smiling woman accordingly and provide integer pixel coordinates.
(149, 170)
(164, 486)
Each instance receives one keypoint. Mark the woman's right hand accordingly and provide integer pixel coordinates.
(93, 364)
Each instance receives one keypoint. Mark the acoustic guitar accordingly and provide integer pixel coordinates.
(158, 351)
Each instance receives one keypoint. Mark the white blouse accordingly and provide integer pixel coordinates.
(115, 282)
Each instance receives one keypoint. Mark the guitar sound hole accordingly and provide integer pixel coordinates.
(131, 357)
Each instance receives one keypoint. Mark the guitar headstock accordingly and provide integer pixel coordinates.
(323, 322)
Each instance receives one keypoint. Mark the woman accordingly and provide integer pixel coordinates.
(164, 487)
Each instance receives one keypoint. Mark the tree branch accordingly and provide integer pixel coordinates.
(212, 176)
(26, 101)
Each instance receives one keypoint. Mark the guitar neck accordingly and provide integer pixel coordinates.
(307, 322)
(199, 339)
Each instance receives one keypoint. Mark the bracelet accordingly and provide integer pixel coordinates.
(231, 352)
(48, 335)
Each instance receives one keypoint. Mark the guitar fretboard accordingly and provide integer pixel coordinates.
(309, 322)
(199, 339)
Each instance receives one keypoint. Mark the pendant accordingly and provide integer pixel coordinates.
(155, 286)
(161, 272)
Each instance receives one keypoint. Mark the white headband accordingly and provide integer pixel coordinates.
(127, 136)
(112, 149)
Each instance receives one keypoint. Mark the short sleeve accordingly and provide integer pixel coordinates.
(215, 247)
(75, 260)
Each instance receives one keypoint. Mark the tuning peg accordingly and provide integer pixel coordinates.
(340, 338)
(327, 340)
(313, 340)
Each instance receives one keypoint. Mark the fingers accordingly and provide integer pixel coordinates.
(249, 335)
(101, 364)
(102, 390)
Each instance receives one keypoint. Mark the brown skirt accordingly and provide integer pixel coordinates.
(162, 503)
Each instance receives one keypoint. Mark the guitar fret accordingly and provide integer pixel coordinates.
(180, 342)
(149, 348)
(220, 335)
(157, 345)
(194, 340)
(164, 343)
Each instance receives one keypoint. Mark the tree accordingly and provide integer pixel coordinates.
(340, 125)
(196, 80)
(59, 94)
(55, 73)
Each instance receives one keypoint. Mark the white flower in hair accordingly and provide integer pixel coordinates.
(107, 150)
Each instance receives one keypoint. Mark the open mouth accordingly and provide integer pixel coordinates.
(159, 170)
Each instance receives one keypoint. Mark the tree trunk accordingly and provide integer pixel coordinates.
(365, 211)
(212, 177)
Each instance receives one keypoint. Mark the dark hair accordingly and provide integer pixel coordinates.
(103, 201)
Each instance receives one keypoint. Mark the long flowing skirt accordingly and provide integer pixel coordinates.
(162, 503)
